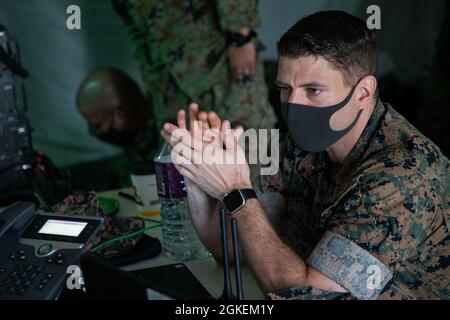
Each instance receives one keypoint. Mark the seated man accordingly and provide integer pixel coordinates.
(118, 113)
(359, 208)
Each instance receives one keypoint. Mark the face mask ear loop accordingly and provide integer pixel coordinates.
(352, 91)
(346, 101)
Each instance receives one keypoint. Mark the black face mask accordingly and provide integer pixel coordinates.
(310, 126)
(112, 136)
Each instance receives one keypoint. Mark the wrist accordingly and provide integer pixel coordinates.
(236, 187)
(244, 31)
(236, 199)
(238, 39)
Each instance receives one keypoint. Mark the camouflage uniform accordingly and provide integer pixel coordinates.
(378, 224)
(87, 204)
(181, 47)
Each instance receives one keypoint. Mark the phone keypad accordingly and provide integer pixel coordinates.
(25, 276)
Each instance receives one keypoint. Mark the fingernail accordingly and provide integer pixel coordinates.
(166, 126)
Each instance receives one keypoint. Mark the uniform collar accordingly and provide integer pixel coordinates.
(364, 146)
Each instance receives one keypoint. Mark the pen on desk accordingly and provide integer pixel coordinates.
(127, 195)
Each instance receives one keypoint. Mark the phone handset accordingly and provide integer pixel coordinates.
(16, 216)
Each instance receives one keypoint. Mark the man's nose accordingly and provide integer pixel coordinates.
(296, 97)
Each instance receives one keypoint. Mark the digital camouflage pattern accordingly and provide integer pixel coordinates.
(86, 204)
(180, 47)
(390, 197)
(344, 262)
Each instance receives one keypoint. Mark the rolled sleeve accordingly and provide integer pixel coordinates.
(347, 264)
(372, 230)
(308, 293)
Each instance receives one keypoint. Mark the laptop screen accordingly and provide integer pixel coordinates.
(175, 281)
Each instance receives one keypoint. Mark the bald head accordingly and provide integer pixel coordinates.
(110, 100)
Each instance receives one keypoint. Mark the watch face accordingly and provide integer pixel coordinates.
(233, 201)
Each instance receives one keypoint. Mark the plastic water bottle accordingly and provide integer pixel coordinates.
(179, 238)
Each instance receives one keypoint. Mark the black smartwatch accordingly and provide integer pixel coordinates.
(236, 199)
(238, 40)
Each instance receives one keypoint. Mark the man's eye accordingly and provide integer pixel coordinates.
(314, 91)
(283, 89)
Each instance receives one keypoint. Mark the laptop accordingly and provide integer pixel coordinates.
(170, 282)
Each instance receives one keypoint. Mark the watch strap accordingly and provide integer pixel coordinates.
(238, 40)
(248, 193)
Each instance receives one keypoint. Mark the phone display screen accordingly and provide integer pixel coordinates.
(63, 227)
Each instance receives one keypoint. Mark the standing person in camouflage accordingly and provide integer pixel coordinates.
(200, 50)
(360, 206)
(118, 113)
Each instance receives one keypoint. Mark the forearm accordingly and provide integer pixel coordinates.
(206, 221)
(200, 207)
(275, 265)
(205, 218)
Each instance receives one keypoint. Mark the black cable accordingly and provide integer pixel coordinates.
(227, 292)
(237, 259)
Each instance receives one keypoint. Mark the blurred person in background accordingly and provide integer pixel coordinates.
(203, 51)
(117, 112)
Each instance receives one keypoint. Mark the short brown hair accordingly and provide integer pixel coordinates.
(340, 38)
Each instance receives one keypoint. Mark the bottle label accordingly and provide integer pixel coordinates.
(170, 183)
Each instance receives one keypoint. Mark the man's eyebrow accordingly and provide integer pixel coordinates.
(303, 85)
(312, 84)
(281, 83)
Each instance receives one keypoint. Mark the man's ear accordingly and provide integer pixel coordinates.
(366, 90)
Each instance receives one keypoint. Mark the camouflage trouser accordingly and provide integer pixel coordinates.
(244, 103)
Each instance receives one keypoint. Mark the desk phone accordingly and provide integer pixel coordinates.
(37, 248)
